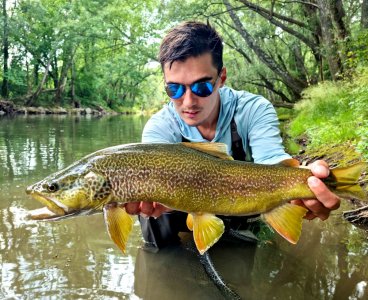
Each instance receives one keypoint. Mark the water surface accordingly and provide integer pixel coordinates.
(75, 259)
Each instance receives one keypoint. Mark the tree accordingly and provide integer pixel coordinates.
(364, 15)
(294, 84)
(99, 53)
(5, 83)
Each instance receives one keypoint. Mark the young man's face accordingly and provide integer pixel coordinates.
(195, 110)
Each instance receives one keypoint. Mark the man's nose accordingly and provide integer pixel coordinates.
(188, 98)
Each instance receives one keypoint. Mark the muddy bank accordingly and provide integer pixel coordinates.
(9, 108)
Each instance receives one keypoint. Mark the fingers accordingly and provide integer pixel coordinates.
(316, 209)
(325, 201)
(320, 168)
(146, 209)
(159, 209)
(133, 208)
(328, 199)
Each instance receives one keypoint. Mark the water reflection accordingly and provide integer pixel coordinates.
(70, 259)
(31, 143)
(75, 259)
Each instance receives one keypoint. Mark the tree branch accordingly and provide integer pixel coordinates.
(294, 84)
(270, 17)
(301, 2)
(259, 9)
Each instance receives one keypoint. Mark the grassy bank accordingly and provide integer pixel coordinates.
(334, 113)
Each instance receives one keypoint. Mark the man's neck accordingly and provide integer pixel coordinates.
(207, 133)
(208, 128)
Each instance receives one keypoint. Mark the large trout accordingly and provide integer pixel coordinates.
(198, 178)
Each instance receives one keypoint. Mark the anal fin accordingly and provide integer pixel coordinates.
(119, 224)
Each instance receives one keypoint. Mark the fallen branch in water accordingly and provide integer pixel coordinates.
(358, 217)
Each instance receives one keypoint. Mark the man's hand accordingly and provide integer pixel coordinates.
(326, 200)
(146, 209)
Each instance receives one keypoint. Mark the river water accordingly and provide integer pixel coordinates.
(75, 259)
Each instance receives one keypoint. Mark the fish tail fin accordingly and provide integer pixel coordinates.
(287, 221)
(345, 181)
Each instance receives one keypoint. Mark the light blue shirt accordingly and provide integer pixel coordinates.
(255, 117)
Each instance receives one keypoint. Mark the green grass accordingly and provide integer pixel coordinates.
(334, 112)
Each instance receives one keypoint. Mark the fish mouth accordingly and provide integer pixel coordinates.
(53, 207)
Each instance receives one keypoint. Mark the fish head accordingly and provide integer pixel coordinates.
(71, 193)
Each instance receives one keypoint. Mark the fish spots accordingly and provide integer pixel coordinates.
(103, 192)
(176, 176)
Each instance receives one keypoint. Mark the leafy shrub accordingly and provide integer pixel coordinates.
(334, 112)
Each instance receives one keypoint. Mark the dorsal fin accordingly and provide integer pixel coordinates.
(215, 149)
(290, 162)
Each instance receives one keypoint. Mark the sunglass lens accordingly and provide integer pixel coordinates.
(202, 89)
(174, 90)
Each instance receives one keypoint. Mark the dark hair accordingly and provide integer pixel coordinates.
(189, 39)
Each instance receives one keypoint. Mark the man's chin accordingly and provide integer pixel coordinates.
(191, 120)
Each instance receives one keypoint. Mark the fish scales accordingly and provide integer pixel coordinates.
(173, 175)
(197, 178)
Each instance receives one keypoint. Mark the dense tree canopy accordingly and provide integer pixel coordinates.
(103, 53)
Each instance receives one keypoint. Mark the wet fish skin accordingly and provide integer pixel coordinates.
(198, 178)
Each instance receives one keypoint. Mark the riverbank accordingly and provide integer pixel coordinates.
(340, 155)
(333, 113)
(9, 108)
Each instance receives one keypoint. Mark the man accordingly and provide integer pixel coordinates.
(202, 109)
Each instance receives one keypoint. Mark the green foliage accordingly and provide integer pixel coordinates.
(358, 53)
(103, 50)
(333, 113)
(99, 48)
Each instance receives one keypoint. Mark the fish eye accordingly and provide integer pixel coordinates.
(52, 187)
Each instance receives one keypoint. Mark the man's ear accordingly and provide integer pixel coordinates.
(223, 77)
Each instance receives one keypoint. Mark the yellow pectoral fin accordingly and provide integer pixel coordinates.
(207, 230)
(119, 224)
(287, 221)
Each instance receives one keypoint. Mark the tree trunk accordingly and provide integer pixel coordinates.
(68, 59)
(5, 84)
(28, 79)
(55, 72)
(295, 85)
(364, 15)
(36, 68)
(329, 42)
(338, 14)
(342, 31)
(35, 95)
(73, 99)
(311, 15)
(299, 62)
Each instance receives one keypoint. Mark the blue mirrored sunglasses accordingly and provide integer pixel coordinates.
(201, 89)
